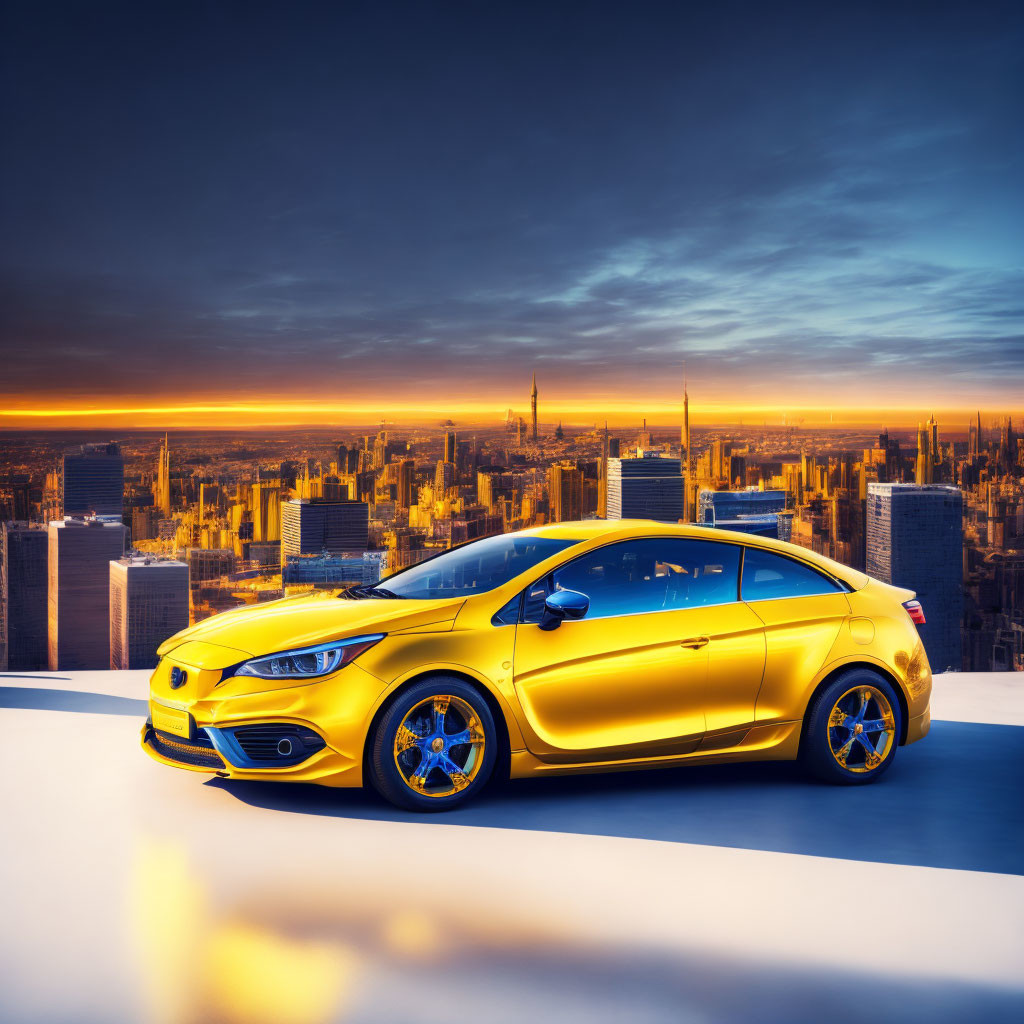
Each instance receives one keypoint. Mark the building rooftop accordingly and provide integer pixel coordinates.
(149, 562)
(86, 521)
(874, 485)
(692, 850)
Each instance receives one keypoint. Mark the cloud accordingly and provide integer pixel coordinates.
(788, 215)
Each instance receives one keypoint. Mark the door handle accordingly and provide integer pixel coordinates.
(695, 642)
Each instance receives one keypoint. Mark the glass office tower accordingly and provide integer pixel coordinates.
(310, 526)
(23, 555)
(148, 604)
(915, 540)
(748, 511)
(78, 591)
(93, 481)
(645, 488)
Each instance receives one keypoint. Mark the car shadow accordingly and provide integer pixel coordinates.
(35, 675)
(49, 699)
(952, 801)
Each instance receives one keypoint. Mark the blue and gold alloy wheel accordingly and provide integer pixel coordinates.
(861, 729)
(439, 746)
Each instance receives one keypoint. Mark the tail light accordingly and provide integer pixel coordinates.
(915, 611)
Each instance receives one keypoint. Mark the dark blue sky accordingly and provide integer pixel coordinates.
(812, 205)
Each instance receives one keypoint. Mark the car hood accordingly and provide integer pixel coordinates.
(313, 619)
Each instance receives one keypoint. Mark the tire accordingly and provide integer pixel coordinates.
(833, 748)
(414, 764)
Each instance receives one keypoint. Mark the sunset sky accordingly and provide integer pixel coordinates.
(217, 214)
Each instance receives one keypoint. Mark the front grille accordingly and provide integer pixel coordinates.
(198, 752)
(261, 743)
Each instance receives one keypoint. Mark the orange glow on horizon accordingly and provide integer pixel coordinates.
(572, 412)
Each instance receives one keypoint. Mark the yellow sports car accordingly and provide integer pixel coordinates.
(588, 646)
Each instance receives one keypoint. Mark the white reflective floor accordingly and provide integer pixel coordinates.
(134, 892)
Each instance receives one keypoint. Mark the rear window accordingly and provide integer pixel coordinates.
(767, 577)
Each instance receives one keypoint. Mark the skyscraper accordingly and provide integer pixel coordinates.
(266, 513)
(23, 554)
(565, 492)
(92, 481)
(915, 540)
(714, 507)
(404, 476)
(889, 470)
(602, 476)
(162, 497)
(78, 591)
(647, 488)
(348, 459)
(211, 500)
(148, 603)
(927, 452)
(334, 570)
(444, 479)
(533, 407)
(310, 526)
(686, 462)
(753, 511)
(720, 455)
(450, 446)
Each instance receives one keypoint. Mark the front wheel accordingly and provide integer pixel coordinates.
(852, 729)
(435, 746)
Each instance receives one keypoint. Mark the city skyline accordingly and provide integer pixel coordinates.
(618, 413)
(252, 517)
(816, 208)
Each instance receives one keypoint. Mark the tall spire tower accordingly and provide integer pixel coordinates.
(163, 486)
(533, 405)
(684, 466)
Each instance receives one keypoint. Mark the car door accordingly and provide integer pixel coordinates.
(802, 610)
(630, 679)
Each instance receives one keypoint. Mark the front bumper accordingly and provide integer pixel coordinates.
(219, 752)
(236, 728)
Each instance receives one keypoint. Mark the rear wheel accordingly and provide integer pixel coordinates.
(852, 729)
(435, 746)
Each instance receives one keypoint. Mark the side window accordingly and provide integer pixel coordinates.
(509, 615)
(767, 576)
(649, 575)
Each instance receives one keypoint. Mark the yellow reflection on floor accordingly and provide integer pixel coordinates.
(201, 966)
(254, 975)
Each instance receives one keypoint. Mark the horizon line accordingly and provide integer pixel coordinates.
(302, 413)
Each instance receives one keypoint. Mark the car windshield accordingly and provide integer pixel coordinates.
(471, 568)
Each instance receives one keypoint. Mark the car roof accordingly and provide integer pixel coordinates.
(596, 529)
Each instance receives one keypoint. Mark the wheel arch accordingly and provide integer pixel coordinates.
(502, 766)
(872, 666)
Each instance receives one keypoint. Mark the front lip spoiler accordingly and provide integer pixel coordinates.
(146, 736)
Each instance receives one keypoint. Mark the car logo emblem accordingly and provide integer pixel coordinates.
(179, 677)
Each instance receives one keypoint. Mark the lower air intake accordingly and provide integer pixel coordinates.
(277, 744)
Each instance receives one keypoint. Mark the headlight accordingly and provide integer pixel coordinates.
(308, 662)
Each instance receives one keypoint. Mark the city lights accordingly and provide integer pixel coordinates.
(251, 517)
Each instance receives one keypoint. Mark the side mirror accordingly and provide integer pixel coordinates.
(564, 604)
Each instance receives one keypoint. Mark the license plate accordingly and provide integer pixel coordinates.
(171, 720)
